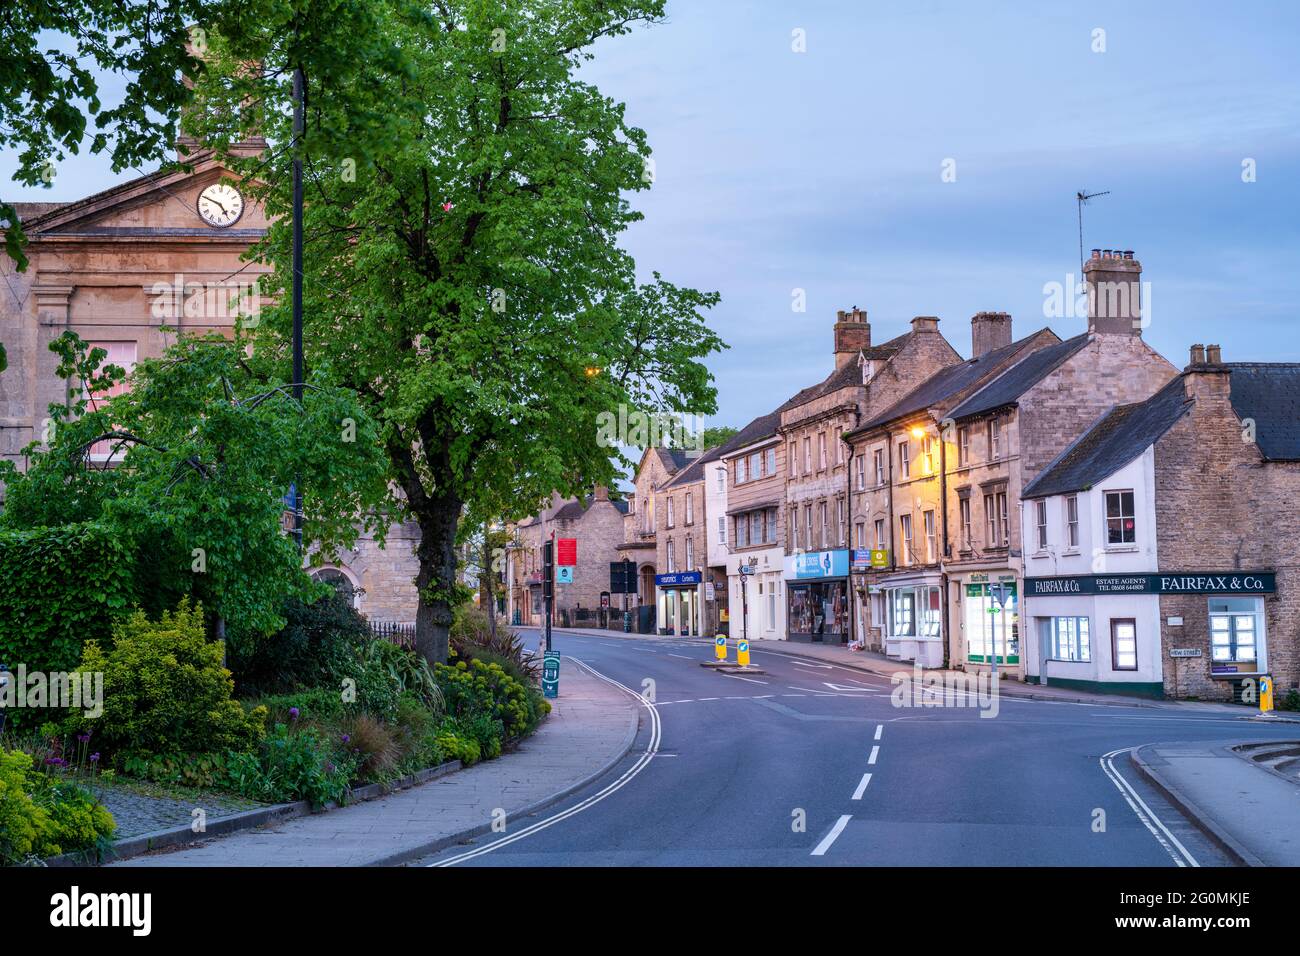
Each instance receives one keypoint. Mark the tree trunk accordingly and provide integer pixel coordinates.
(489, 573)
(436, 578)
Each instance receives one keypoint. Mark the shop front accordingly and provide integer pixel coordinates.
(817, 591)
(755, 605)
(680, 600)
(991, 627)
(910, 611)
(1153, 634)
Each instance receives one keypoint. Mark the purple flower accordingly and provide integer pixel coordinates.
(56, 761)
(329, 765)
(346, 738)
(84, 738)
(94, 758)
(293, 713)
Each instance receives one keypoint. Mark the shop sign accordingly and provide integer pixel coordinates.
(817, 564)
(860, 558)
(678, 579)
(1181, 582)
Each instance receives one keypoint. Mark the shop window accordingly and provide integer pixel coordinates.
(902, 612)
(990, 627)
(1121, 522)
(1066, 638)
(1123, 644)
(1236, 629)
(818, 609)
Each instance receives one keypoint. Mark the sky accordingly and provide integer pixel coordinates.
(802, 145)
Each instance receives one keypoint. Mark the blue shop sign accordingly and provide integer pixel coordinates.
(679, 578)
(817, 564)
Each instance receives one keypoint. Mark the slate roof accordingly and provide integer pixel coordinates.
(1114, 440)
(764, 426)
(673, 459)
(695, 470)
(849, 374)
(1269, 394)
(948, 382)
(578, 507)
(1015, 381)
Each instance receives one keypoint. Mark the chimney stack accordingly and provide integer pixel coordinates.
(601, 493)
(925, 323)
(1207, 379)
(1114, 281)
(989, 331)
(852, 335)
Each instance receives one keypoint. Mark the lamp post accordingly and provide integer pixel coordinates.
(299, 95)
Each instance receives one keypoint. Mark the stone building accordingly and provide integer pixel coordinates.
(684, 581)
(131, 269)
(640, 527)
(901, 468)
(1008, 431)
(813, 422)
(596, 522)
(1120, 596)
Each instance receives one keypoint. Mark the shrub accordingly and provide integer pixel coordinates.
(320, 704)
(373, 746)
(471, 639)
(405, 670)
(478, 687)
(458, 745)
(318, 647)
(40, 816)
(62, 587)
(415, 735)
(165, 692)
(292, 764)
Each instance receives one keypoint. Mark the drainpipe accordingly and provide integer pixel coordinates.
(943, 554)
(851, 591)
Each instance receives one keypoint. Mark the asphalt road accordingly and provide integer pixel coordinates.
(772, 770)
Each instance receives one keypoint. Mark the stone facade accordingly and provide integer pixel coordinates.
(1223, 506)
(597, 523)
(131, 269)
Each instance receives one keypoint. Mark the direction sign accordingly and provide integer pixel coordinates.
(551, 674)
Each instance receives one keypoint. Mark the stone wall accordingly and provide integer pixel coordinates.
(1222, 507)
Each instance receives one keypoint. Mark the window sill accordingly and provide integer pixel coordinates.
(1070, 552)
(1122, 549)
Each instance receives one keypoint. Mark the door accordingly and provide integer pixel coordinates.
(1123, 644)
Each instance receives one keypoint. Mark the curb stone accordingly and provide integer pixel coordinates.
(441, 843)
(1198, 817)
(248, 820)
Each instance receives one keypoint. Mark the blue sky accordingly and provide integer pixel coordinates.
(820, 170)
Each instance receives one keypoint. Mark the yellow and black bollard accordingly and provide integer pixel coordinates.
(742, 652)
(720, 647)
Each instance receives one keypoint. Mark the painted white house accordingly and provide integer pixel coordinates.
(1088, 544)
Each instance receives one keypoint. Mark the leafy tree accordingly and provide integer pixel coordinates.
(204, 451)
(716, 435)
(463, 273)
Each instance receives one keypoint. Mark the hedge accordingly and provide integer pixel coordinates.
(59, 587)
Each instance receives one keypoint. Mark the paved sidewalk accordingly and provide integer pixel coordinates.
(872, 662)
(1252, 812)
(593, 724)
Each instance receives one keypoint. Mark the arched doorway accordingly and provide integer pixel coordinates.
(342, 581)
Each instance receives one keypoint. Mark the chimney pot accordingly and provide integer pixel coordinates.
(1096, 253)
(1198, 354)
(1213, 355)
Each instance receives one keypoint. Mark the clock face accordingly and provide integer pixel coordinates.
(220, 204)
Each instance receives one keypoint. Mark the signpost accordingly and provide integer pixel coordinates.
(551, 673)
(548, 585)
(999, 593)
(745, 571)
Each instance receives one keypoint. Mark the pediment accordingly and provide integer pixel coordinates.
(162, 204)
